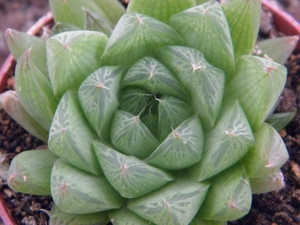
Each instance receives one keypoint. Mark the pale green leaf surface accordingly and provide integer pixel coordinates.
(136, 36)
(71, 136)
(229, 196)
(124, 216)
(78, 192)
(199, 221)
(174, 204)
(130, 136)
(205, 24)
(204, 82)
(280, 120)
(225, 144)
(243, 18)
(61, 27)
(130, 176)
(93, 21)
(29, 172)
(257, 86)
(182, 148)
(162, 9)
(151, 122)
(98, 96)
(268, 154)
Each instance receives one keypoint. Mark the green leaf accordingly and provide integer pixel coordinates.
(175, 204)
(151, 122)
(171, 112)
(225, 144)
(71, 57)
(271, 182)
(93, 21)
(58, 217)
(199, 2)
(71, 136)
(204, 82)
(18, 42)
(281, 120)
(205, 24)
(98, 96)
(60, 27)
(130, 176)
(162, 9)
(199, 221)
(155, 77)
(257, 86)
(124, 216)
(32, 82)
(229, 196)
(182, 148)
(243, 18)
(284, 48)
(13, 107)
(268, 154)
(29, 172)
(78, 192)
(136, 36)
(130, 136)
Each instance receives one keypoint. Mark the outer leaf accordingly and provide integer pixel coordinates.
(182, 148)
(124, 216)
(268, 154)
(136, 36)
(284, 48)
(271, 182)
(130, 176)
(71, 135)
(98, 96)
(155, 77)
(171, 112)
(162, 9)
(199, 221)
(280, 120)
(257, 85)
(29, 172)
(199, 2)
(33, 83)
(71, 57)
(78, 192)
(243, 18)
(229, 197)
(204, 82)
(204, 24)
(130, 136)
(226, 144)
(59, 217)
(13, 107)
(93, 21)
(176, 203)
(60, 27)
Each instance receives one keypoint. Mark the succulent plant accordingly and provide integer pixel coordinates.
(156, 115)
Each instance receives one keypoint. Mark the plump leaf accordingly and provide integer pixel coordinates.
(155, 77)
(60, 27)
(162, 9)
(243, 18)
(199, 221)
(175, 204)
(229, 196)
(95, 22)
(271, 182)
(182, 148)
(29, 172)
(71, 57)
(257, 85)
(98, 96)
(71, 136)
(13, 107)
(124, 216)
(136, 36)
(78, 192)
(280, 120)
(268, 154)
(32, 82)
(205, 24)
(130, 136)
(204, 83)
(284, 48)
(151, 122)
(130, 176)
(59, 217)
(226, 143)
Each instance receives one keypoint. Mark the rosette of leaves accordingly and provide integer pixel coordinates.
(155, 115)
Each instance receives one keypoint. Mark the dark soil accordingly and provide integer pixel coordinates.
(275, 208)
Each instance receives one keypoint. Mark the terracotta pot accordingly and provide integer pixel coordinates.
(283, 22)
